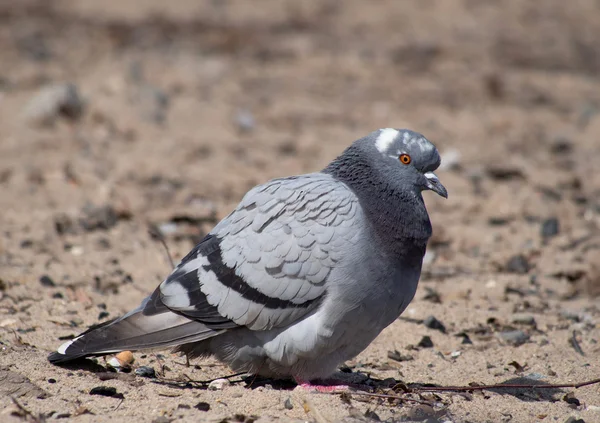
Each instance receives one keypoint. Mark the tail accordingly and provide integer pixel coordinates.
(151, 325)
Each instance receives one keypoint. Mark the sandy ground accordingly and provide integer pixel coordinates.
(177, 108)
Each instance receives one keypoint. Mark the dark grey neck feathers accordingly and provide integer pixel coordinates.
(398, 217)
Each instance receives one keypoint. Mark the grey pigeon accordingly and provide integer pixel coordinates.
(302, 275)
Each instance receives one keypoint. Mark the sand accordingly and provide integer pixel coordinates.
(176, 109)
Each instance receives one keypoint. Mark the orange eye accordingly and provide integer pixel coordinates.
(404, 159)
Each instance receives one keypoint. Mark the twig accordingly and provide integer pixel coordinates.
(503, 386)
(157, 234)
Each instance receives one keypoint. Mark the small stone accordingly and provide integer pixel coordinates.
(287, 404)
(550, 228)
(103, 315)
(425, 342)
(455, 354)
(202, 406)
(561, 145)
(432, 323)
(218, 384)
(162, 419)
(517, 264)
(523, 319)
(569, 398)
(145, 371)
(105, 391)
(47, 281)
(53, 102)
(514, 337)
(573, 419)
(501, 172)
(63, 224)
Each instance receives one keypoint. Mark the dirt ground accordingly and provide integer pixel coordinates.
(175, 109)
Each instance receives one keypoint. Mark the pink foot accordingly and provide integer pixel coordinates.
(326, 386)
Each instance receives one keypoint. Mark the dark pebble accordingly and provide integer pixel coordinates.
(570, 399)
(51, 380)
(550, 227)
(26, 243)
(372, 416)
(202, 406)
(561, 145)
(103, 315)
(433, 323)
(145, 371)
(58, 295)
(105, 391)
(47, 281)
(504, 173)
(63, 224)
(62, 416)
(517, 264)
(425, 342)
(287, 404)
(183, 407)
(465, 338)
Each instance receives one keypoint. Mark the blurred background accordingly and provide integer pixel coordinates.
(121, 120)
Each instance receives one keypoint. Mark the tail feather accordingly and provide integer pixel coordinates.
(148, 326)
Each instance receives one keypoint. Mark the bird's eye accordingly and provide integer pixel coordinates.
(404, 159)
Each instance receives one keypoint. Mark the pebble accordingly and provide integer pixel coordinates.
(550, 228)
(561, 145)
(517, 264)
(145, 371)
(432, 323)
(573, 419)
(425, 342)
(287, 404)
(105, 391)
(202, 406)
(523, 319)
(47, 281)
(218, 384)
(514, 337)
(52, 102)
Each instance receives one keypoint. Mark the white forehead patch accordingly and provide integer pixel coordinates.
(385, 139)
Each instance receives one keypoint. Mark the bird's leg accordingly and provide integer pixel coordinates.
(321, 385)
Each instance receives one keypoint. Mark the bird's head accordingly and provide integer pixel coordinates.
(407, 156)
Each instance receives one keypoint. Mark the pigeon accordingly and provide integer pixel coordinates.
(302, 275)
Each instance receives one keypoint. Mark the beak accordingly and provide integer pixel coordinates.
(434, 184)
